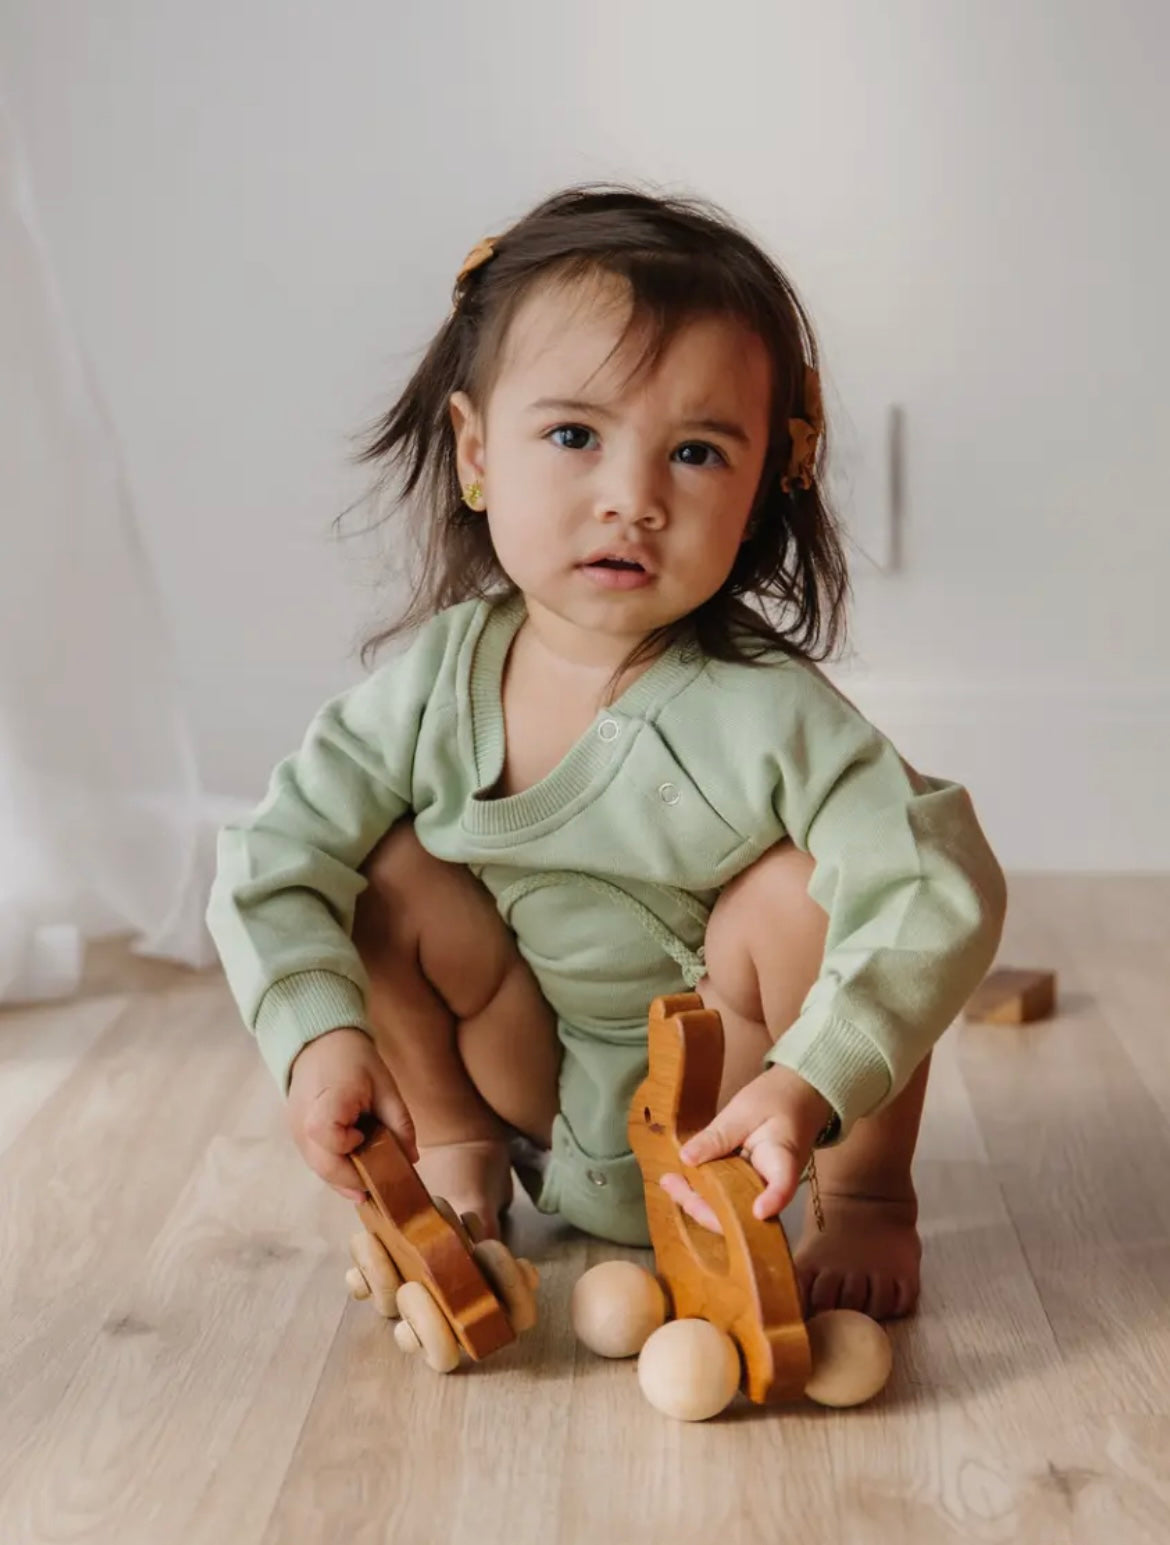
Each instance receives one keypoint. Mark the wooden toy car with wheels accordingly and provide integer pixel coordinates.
(737, 1317)
(450, 1288)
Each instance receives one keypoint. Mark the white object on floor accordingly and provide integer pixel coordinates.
(38, 962)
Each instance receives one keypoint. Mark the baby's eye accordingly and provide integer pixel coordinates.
(695, 454)
(580, 437)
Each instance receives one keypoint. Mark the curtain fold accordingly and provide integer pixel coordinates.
(100, 809)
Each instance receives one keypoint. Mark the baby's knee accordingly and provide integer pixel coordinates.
(764, 921)
(393, 872)
(397, 860)
(422, 913)
(405, 888)
(403, 877)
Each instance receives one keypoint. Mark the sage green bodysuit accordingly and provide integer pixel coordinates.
(606, 871)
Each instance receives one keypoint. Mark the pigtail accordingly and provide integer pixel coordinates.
(449, 555)
(413, 442)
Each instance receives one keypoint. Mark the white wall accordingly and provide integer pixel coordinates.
(257, 207)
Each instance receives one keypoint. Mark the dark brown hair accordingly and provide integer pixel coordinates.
(681, 258)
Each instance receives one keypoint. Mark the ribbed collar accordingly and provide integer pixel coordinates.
(588, 764)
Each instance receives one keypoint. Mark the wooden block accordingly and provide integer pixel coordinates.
(1013, 997)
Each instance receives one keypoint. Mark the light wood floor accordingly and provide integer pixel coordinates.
(179, 1362)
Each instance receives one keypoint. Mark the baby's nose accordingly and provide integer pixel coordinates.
(637, 499)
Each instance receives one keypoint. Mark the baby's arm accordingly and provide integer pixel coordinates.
(282, 903)
(915, 902)
(287, 881)
(914, 895)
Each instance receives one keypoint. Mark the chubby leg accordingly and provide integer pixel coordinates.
(764, 947)
(458, 1018)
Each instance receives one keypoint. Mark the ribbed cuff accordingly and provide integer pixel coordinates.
(299, 1008)
(841, 1062)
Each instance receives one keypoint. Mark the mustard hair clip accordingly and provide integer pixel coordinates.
(805, 433)
(481, 253)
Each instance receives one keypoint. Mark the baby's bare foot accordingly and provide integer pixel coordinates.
(867, 1258)
(474, 1176)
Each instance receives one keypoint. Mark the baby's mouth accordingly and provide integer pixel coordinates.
(617, 571)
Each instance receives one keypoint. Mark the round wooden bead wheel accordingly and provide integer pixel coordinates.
(852, 1358)
(373, 1274)
(689, 1369)
(512, 1281)
(443, 1207)
(615, 1307)
(474, 1225)
(466, 1224)
(424, 1326)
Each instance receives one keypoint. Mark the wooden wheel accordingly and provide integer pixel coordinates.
(425, 1246)
(373, 1274)
(443, 1207)
(689, 1369)
(616, 1307)
(512, 1281)
(852, 1358)
(474, 1226)
(425, 1326)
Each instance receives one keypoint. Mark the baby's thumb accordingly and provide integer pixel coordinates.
(713, 1142)
(390, 1109)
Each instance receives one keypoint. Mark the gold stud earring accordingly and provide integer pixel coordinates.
(472, 495)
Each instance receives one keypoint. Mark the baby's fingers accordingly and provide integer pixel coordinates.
(694, 1205)
(391, 1111)
(335, 1170)
(331, 1121)
(325, 1133)
(781, 1171)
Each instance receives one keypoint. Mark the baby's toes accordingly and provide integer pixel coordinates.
(824, 1292)
(854, 1291)
(883, 1297)
(905, 1296)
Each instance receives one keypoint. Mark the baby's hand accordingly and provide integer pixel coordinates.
(775, 1120)
(336, 1079)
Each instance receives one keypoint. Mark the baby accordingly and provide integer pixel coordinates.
(605, 767)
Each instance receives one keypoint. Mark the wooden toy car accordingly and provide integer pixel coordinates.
(734, 1296)
(417, 1260)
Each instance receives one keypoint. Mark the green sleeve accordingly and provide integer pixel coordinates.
(287, 878)
(914, 895)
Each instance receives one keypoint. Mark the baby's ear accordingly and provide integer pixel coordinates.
(466, 424)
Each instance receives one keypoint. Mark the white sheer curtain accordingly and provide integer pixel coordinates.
(100, 811)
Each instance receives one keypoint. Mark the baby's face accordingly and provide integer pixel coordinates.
(616, 504)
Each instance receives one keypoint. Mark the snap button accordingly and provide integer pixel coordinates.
(595, 1177)
(609, 729)
(668, 793)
